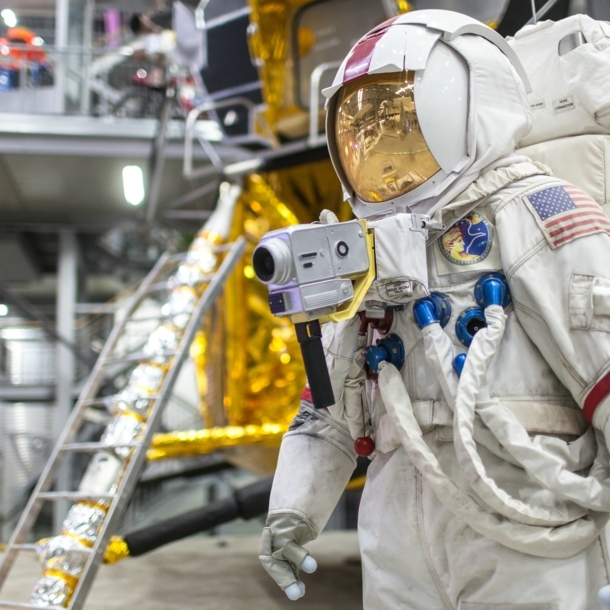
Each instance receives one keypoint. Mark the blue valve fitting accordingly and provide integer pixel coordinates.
(388, 349)
(492, 289)
(423, 312)
(469, 322)
(458, 364)
(433, 308)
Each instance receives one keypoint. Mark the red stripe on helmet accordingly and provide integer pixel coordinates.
(600, 390)
(360, 58)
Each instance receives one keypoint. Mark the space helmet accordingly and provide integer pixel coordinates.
(422, 104)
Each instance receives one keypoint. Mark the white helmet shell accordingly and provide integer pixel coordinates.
(420, 42)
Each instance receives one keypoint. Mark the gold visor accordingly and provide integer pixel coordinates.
(379, 141)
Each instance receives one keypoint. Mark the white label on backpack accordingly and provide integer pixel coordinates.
(399, 288)
(564, 104)
(537, 105)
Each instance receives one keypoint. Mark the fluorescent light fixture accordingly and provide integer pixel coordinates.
(133, 184)
(10, 19)
(3, 309)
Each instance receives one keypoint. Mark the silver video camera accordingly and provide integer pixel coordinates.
(319, 273)
(310, 269)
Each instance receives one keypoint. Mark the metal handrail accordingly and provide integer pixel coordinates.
(199, 14)
(191, 122)
(314, 98)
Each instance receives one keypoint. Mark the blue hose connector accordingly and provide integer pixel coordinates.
(433, 308)
(492, 289)
(458, 364)
(423, 312)
(469, 322)
(388, 349)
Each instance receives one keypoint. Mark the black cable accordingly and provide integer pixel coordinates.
(247, 502)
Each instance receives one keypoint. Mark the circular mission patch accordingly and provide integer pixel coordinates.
(468, 241)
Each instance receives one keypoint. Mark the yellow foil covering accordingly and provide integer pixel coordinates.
(268, 38)
(402, 6)
(271, 41)
(248, 362)
(100, 504)
(132, 414)
(68, 534)
(249, 367)
(116, 550)
(310, 188)
(197, 442)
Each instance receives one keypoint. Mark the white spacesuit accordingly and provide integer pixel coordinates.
(489, 488)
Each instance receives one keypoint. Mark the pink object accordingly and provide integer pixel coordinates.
(306, 394)
(112, 26)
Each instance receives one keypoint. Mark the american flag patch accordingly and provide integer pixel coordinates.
(565, 213)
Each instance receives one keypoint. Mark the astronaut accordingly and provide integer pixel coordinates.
(489, 485)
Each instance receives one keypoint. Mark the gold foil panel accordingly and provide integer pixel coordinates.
(197, 442)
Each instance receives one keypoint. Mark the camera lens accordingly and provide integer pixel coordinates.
(263, 263)
(272, 261)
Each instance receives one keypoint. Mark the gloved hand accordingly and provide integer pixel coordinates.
(282, 554)
(315, 463)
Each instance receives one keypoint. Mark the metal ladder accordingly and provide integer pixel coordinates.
(117, 501)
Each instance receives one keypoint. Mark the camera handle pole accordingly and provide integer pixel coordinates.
(309, 335)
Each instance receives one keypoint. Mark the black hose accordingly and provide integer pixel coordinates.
(247, 502)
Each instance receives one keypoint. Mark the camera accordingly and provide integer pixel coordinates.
(321, 273)
(310, 270)
(316, 273)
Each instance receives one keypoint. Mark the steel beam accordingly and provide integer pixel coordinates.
(67, 282)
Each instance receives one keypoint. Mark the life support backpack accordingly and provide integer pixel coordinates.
(568, 64)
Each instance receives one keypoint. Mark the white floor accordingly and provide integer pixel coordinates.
(204, 573)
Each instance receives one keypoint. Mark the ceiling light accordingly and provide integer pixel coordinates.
(10, 19)
(133, 184)
(3, 309)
